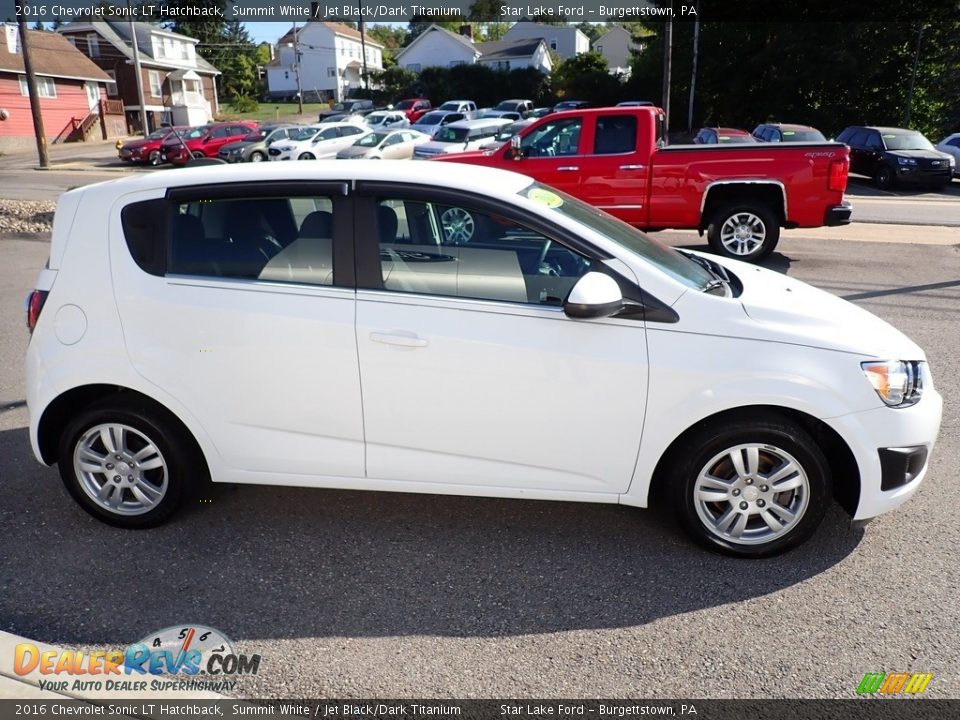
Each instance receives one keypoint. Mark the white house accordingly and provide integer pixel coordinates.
(512, 54)
(438, 47)
(565, 40)
(616, 46)
(331, 61)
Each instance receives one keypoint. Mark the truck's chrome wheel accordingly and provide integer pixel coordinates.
(743, 233)
(120, 469)
(458, 225)
(751, 493)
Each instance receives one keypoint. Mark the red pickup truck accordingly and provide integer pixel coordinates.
(616, 158)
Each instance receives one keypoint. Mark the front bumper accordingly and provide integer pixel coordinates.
(872, 435)
(911, 175)
(838, 214)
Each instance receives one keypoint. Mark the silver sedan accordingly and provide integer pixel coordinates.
(385, 145)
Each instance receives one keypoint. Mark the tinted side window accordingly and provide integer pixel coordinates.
(439, 249)
(144, 229)
(858, 138)
(955, 142)
(276, 239)
(874, 142)
(615, 134)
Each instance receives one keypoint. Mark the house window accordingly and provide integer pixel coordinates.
(93, 43)
(72, 40)
(46, 87)
(331, 72)
(553, 44)
(414, 66)
(599, 48)
(454, 63)
(156, 85)
(112, 85)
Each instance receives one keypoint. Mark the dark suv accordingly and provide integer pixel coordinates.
(349, 107)
(895, 155)
(781, 132)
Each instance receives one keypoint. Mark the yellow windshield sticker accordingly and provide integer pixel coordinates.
(545, 197)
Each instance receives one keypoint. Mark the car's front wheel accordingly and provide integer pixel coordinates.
(307, 156)
(154, 158)
(127, 463)
(751, 488)
(884, 178)
(257, 156)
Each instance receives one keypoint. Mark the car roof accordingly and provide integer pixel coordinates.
(882, 129)
(478, 123)
(728, 130)
(487, 181)
(788, 126)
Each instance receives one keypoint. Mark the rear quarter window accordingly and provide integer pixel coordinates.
(145, 231)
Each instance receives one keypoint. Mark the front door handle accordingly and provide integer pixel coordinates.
(568, 168)
(632, 167)
(399, 338)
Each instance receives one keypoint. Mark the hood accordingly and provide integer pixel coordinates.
(467, 156)
(134, 144)
(920, 154)
(792, 311)
(240, 145)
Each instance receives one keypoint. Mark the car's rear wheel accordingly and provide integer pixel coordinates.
(127, 463)
(884, 178)
(257, 156)
(751, 488)
(154, 158)
(307, 156)
(197, 154)
(744, 231)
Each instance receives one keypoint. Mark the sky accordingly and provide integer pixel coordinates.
(272, 31)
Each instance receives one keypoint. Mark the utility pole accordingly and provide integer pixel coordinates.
(139, 73)
(34, 95)
(667, 67)
(363, 49)
(693, 73)
(913, 75)
(296, 59)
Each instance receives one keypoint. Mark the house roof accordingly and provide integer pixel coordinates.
(118, 35)
(52, 56)
(465, 41)
(337, 28)
(505, 49)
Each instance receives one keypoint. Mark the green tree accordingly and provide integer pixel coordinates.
(586, 77)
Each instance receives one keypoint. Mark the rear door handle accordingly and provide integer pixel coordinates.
(399, 338)
(568, 168)
(632, 167)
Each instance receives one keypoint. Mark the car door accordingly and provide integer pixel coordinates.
(395, 147)
(874, 153)
(552, 154)
(473, 377)
(617, 179)
(242, 308)
(859, 154)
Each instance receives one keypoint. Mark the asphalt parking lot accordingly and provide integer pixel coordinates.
(348, 594)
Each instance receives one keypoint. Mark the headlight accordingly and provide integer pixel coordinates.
(906, 161)
(952, 160)
(898, 383)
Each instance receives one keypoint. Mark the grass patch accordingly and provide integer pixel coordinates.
(273, 111)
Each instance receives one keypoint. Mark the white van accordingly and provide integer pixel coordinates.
(460, 137)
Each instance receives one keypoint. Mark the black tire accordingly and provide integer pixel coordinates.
(768, 223)
(196, 155)
(773, 434)
(884, 178)
(257, 156)
(154, 158)
(185, 468)
(307, 156)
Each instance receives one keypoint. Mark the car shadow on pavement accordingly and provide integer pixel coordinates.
(775, 261)
(266, 562)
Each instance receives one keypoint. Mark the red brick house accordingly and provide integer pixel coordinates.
(179, 86)
(71, 90)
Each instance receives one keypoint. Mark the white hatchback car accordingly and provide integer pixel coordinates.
(319, 141)
(439, 328)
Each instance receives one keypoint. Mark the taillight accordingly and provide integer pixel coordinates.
(35, 301)
(839, 170)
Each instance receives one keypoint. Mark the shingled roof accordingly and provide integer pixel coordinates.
(52, 56)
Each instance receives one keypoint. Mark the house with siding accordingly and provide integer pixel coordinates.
(179, 86)
(71, 89)
(437, 46)
(330, 65)
(566, 40)
(617, 46)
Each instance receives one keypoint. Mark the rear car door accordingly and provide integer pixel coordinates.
(240, 302)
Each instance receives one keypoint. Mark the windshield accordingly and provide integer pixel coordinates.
(449, 106)
(654, 252)
(339, 106)
(510, 130)
(305, 134)
(803, 136)
(404, 104)
(158, 134)
(906, 141)
(735, 139)
(371, 139)
(431, 118)
(452, 135)
(506, 105)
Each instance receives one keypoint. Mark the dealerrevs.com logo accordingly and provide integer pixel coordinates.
(184, 657)
(894, 683)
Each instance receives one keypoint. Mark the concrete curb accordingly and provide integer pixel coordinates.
(13, 686)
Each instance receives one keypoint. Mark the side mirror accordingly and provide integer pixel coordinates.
(595, 295)
(515, 152)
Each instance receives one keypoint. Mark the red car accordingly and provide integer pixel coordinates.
(616, 158)
(206, 143)
(414, 108)
(147, 150)
(723, 136)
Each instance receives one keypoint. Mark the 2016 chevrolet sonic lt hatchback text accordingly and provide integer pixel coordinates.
(441, 328)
